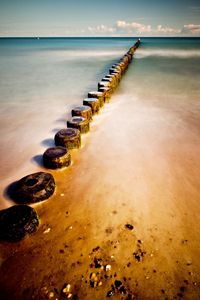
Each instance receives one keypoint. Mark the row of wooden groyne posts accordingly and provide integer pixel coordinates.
(19, 220)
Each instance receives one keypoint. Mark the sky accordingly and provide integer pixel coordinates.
(99, 18)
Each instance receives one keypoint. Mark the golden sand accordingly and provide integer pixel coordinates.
(140, 166)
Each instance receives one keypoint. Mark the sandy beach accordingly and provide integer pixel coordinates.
(124, 221)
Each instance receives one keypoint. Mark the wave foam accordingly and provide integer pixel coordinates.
(68, 54)
(141, 53)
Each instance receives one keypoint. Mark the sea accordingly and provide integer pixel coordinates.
(42, 79)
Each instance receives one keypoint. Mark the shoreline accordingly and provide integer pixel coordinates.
(121, 175)
(123, 222)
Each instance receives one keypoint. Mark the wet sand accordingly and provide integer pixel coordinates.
(139, 165)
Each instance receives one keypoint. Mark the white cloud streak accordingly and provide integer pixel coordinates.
(120, 28)
(101, 29)
(124, 28)
(191, 29)
(132, 27)
(167, 30)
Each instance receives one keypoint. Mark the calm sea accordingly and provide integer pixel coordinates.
(42, 79)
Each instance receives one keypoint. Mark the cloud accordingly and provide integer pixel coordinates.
(132, 27)
(101, 29)
(120, 28)
(124, 28)
(191, 29)
(167, 30)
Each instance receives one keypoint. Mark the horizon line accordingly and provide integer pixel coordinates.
(42, 37)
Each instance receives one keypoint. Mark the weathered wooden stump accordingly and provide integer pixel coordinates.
(98, 95)
(69, 138)
(125, 60)
(117, 67)
(105, 84)
(82, 111)
(93, 103)
(16, 222)
(79, 123)
(116, 73)
(56, 157)
(106, 92)
(34, 188)
(120, 66)
(112, 82)
(114, 79)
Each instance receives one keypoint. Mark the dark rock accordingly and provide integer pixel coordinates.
(139, 255)
(117, 283)
(97, 262)
(122, 290)
(129, 226)
(95, 249)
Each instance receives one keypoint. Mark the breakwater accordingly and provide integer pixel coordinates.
(40, 186)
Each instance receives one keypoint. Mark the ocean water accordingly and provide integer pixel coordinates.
(42, 79)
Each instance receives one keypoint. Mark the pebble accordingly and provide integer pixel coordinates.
(190, 273)
(122, 290)
(94, 277)
(47, 230)
(95, 249)
(67, 289)
(108, 267)
(51, 295)
(118, 283)
(129, 226)
(110, 293)
(97, 262)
